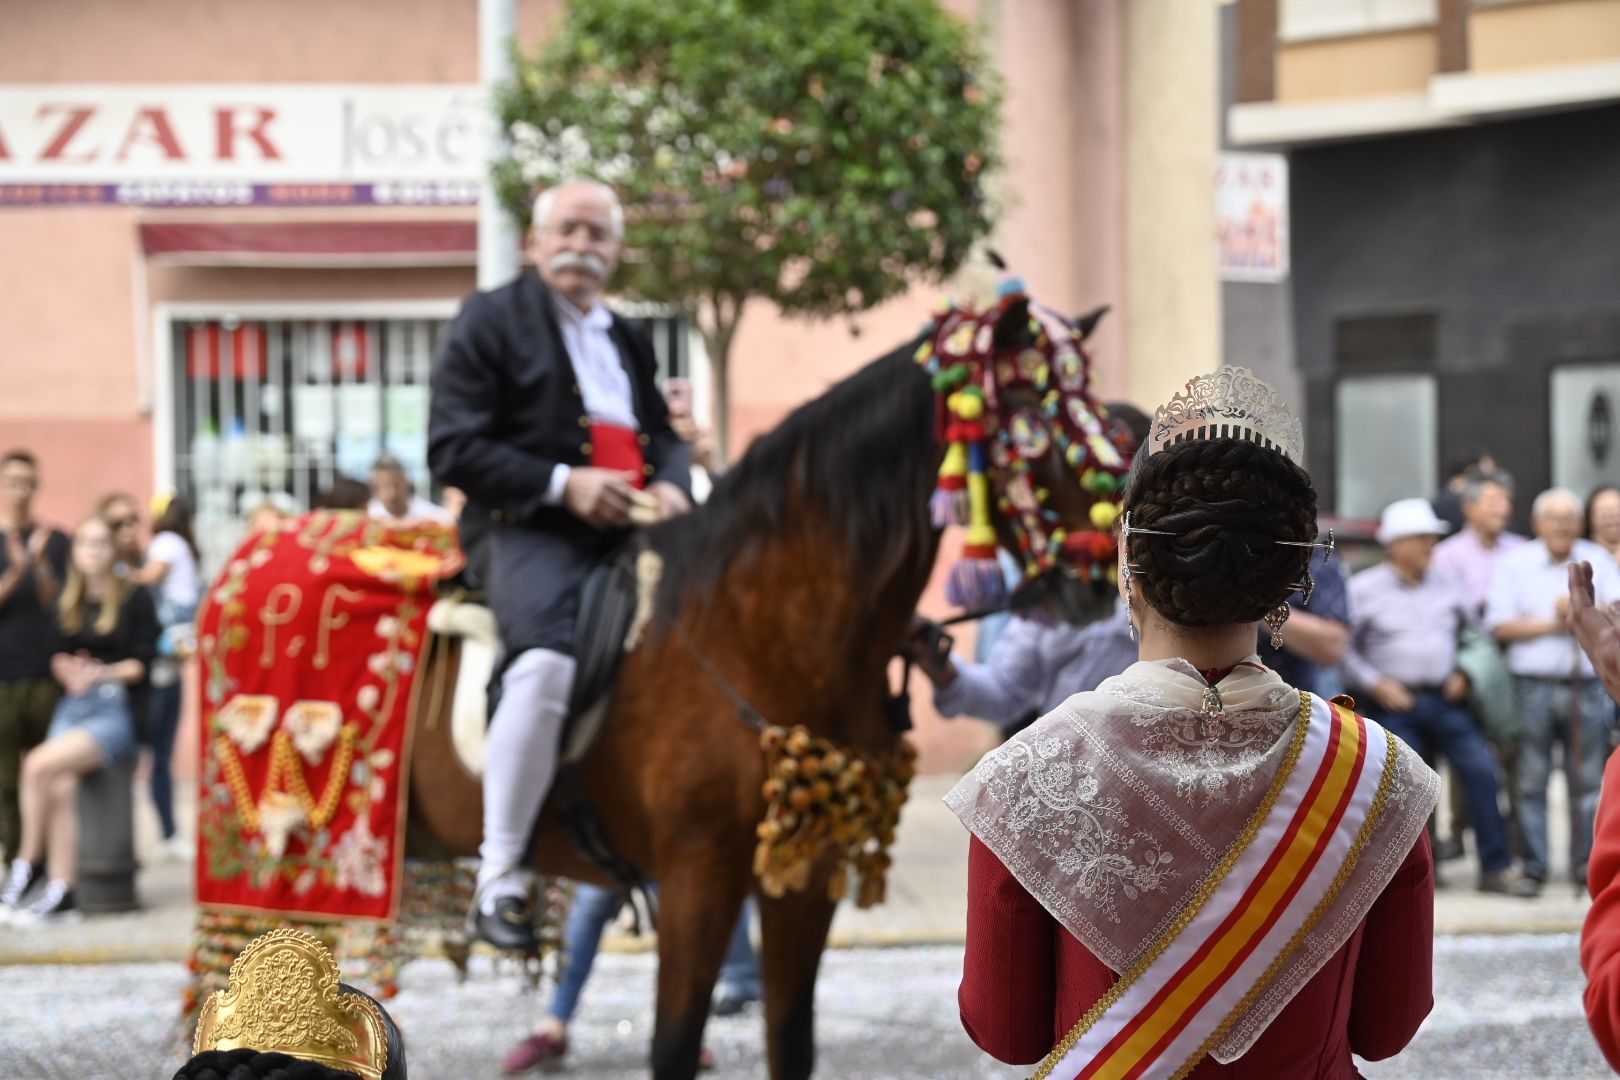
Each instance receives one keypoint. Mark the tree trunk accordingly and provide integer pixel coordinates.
(719, 330)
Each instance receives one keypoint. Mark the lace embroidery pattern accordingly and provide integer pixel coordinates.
(1211, 761)
(1054, 805)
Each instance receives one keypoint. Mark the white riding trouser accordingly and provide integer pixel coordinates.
(520, 762)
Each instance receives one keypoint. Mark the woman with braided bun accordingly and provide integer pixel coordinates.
(1197, 869)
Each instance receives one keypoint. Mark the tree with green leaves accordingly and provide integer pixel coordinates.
(818, 154)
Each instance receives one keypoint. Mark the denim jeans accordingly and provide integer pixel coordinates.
(593, 908)
(1544, 709)
(1437, 726)
(739, 975)
(164, 704)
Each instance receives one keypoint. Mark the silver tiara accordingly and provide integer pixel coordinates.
(1232, 403)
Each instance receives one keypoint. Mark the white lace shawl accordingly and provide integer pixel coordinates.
(1115, 807)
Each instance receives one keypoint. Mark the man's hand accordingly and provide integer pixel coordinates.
(16, 553)
(599, 497)
(929, 647)
(1456, 687)
(672, 501)
(37, 542)
(1561, 610)
(1392, 695)
(1594, 627)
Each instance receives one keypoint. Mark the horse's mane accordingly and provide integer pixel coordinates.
(863, 454)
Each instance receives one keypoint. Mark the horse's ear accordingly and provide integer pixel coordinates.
(1086, 323)
(1012, 328)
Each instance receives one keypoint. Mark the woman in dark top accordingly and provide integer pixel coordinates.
(108, 634)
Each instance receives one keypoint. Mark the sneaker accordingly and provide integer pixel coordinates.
(54, 905)
(1509, 882)
(538, 1050)
(177, 849)
(730, 1001)
(1449, 849)
(20, 882)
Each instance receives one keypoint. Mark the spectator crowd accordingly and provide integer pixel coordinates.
(95, 628)
(1458, 640)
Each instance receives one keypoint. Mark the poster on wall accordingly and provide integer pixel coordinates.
(1251, 217)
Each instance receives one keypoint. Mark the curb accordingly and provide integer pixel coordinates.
(624, 944)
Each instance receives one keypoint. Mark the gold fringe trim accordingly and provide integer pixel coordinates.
(1199, 898)
(827, 804)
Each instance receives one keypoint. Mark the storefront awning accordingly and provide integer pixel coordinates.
(312, 243)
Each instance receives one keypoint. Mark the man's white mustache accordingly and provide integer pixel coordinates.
(575, 260)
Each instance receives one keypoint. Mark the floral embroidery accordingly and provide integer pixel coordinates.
(1211, 760)
(1054, 803)
(358, 859)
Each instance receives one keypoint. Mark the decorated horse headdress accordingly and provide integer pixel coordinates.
(1014, 386)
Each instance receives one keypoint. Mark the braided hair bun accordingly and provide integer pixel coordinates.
(246, 1064)
(1228, 502)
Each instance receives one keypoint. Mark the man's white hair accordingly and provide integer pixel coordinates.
(1545, 500)
(547, 199)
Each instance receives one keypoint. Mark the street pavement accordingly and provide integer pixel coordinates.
(1507, 1006)
(927, 903)
(100, 998)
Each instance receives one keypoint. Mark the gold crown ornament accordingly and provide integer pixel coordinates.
(283, 996)
(1231, 403)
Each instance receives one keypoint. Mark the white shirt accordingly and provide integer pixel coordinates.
(1527, 585)
(603, 381)
(420, 509)
(180, 585)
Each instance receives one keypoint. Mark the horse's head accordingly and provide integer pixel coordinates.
(1033, 465)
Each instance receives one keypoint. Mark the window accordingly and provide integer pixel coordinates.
(1585, 423)
(1303, 20)
(275, 409)
(1386, 441)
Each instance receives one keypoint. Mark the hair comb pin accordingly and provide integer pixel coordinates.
(1327, 548)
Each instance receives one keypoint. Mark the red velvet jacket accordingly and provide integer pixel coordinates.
(1600, 938)
(1027, 981)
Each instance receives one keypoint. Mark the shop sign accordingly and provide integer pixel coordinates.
(240, 144)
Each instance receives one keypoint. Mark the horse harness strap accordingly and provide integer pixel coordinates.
(583, 826)
(745, 708)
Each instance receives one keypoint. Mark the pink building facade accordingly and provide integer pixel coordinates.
(179, 308)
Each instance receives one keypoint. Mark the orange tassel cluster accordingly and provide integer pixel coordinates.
(827, 804)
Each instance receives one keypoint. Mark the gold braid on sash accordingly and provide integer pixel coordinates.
(1199, 898)
(283, 997)
(1375, 812)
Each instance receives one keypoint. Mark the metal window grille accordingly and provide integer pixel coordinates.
(275, 410)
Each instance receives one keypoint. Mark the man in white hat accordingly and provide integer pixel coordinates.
(1402, 665)
(1560, 697)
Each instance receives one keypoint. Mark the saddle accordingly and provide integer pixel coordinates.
(615, 606)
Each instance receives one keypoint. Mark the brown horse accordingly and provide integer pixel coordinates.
(797, 581)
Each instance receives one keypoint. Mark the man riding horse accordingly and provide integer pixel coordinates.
(546, 413)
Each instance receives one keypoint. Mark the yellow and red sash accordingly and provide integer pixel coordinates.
(1250, 915)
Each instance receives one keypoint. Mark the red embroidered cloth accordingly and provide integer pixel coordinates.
(309, 643)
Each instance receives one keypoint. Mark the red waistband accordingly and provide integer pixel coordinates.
(614, 447)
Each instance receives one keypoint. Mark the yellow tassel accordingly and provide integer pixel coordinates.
(980, 529)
